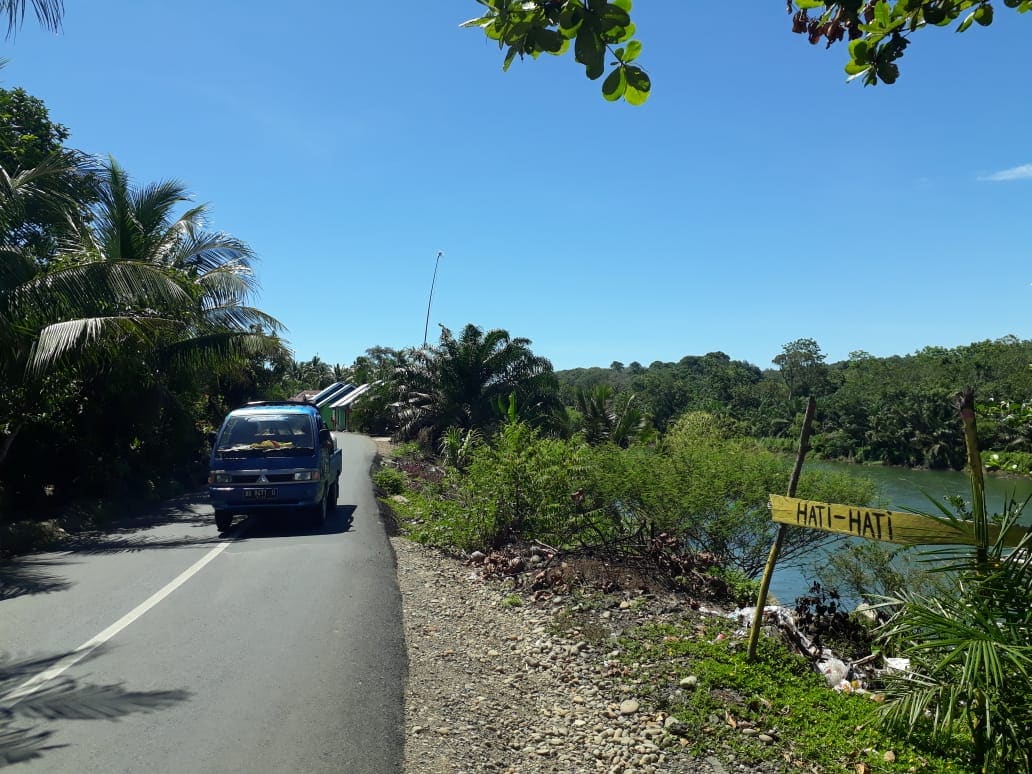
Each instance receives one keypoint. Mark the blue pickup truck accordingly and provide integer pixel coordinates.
(274, 456)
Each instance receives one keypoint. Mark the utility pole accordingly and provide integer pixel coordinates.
(428, 303)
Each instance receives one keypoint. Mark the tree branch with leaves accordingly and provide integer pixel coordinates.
(595, 28)
(880, 30)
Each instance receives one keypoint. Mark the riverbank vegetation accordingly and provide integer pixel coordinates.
(685, 507)
(885, 410)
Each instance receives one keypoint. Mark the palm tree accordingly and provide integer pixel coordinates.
(37, 290)
(340, 373)
(317, 373)
(135, 279)
(208, 318)
(609, 418)
(460, 382)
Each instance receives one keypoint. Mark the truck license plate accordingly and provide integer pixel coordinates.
(260, 494)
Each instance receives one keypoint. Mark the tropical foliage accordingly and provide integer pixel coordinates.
(893, 410)
(878, 32)
(608, 418)
(119, 314)
(699, 487)
(48, 13)
(969, 650)
(598, 29)
(465, 381)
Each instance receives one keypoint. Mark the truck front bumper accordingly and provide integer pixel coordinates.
(265, 497)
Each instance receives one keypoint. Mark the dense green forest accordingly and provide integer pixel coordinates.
(894, 410)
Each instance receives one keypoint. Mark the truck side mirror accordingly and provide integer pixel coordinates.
(326, 438)
(211, 438)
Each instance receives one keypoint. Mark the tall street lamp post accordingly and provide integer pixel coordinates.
(428, 303)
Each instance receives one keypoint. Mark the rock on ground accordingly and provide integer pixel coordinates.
(494, 687)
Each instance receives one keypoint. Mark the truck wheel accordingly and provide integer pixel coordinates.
(334, 495)
(223, 520)
(317, 515)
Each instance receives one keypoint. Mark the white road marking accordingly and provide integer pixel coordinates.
(81, 652)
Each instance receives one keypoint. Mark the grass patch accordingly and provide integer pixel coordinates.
(779, 695)
(389, 481)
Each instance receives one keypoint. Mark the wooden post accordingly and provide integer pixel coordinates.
(966, 405)
(768, 571)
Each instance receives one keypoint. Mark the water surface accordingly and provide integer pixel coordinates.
(901, 489)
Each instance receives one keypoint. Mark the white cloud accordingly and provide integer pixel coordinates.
(1024, 172)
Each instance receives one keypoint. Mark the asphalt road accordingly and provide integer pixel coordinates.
(273, 649)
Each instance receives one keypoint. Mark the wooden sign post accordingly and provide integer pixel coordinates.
(883, 525)
(772, 558)
(879, 523)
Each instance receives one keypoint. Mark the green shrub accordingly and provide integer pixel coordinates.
(389, 481)
(835, 445)
(448, 524)
(708, 491)
(1008, 462)
(866, 570)
(969, 649)
(741, 591)
(779, 445)
(407, 450)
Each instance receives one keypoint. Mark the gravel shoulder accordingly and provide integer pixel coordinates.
(498, 682)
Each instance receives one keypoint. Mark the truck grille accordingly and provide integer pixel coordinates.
(272, 478)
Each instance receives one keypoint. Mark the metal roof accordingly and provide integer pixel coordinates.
(352, 396)
(323, 393)
(334, 394)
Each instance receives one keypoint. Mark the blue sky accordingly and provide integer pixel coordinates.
(755, 199)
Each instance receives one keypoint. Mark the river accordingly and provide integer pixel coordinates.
(900, 489)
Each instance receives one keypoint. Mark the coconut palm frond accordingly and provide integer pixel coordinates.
(203, 252)
(48, 13)
(17, 266)
(153, 205)
(230, 282)
(89, 337)
(211, 351)
(237, 317)
(96, 286)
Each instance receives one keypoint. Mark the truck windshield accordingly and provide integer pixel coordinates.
(266, 435)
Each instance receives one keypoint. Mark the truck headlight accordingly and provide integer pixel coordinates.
(306, 475)
(218, 477)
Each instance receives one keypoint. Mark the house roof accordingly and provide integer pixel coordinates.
(352, 396)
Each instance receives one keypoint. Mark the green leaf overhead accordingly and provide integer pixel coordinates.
(614, 85)
(534, 27)
(885, 28)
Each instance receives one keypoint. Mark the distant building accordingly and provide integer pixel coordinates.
(335, 402)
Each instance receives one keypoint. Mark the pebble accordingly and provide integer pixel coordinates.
(497, 688)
